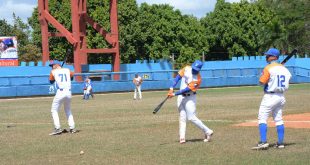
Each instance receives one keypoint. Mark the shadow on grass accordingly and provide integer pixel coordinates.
(187, 141)
(66, 131)
(285, 144)
(194, 140)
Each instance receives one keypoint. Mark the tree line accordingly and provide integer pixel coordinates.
(150, 32)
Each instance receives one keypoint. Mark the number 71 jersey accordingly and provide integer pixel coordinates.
(276, 78)
(62, 77)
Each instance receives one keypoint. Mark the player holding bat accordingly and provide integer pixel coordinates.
(275, 78)
(62, 77)
(190, 82)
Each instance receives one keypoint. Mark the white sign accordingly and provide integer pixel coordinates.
(8, 48)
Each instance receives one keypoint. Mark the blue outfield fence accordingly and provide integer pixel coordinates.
(29, 80)
(36, 85)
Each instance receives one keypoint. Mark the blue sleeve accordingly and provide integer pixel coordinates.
(175, 81)
(185, 90)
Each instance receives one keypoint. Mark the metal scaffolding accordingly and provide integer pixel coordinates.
(77, 37)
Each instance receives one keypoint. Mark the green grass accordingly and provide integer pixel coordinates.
(118, 130)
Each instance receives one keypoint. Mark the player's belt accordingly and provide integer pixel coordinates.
(273, 92)
(188, 94)
(64, 89)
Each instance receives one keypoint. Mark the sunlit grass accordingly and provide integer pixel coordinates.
(115, 129)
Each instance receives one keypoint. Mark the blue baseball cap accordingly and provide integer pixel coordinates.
(273, 52)
(54, 62)
(197, 65)
(8, 42)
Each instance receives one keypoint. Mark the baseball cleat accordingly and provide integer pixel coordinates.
(73, 131)
(261, 146)
(279, 146)
(56, 132)
(182, 141)
(208, 137)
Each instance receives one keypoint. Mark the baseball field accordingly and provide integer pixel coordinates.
(115, 129)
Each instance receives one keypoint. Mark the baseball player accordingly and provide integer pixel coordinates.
(62, 77)
(87, 89)
(275, 78)
(137, 81)
(190, 82)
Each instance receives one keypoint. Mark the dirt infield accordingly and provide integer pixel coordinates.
(290, 121)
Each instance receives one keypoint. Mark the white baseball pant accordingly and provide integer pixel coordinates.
(271, 102)
(63, 96)
(187, 111)
(137, 90)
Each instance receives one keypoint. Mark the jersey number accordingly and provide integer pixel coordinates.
(281, 80)
(63, 77)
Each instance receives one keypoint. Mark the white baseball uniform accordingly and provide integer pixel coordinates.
(62, 78)
(137, 82)
(87, 88)
(187, 102)
(276, 79)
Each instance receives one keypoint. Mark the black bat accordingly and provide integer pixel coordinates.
(160, 105)
(289, 56)
(65, 59)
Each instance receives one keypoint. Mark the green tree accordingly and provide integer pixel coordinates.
(98, 10)
(145, 32)
(58, 45)
(5, 28)
(21, 31)
(165, 31)
(33, 21)
(235, 29)
(30, 52)
(129, 30)
(26, 50)
(295, 20)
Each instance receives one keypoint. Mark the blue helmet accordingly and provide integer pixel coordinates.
(8, 42)
(197, 65)
(273, 52)
(54, 62)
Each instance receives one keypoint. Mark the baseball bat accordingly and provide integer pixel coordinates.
(160, 105)
(289, 56)
(65, 59)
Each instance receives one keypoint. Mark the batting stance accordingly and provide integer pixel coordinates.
(62, 77)
(275, 78)
(190, 82)
(137, 81)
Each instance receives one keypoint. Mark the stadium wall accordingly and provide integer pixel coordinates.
(33, 80)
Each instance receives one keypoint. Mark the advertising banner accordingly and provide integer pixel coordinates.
(8, 51)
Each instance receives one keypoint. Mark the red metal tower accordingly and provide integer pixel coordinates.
(77, 37)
